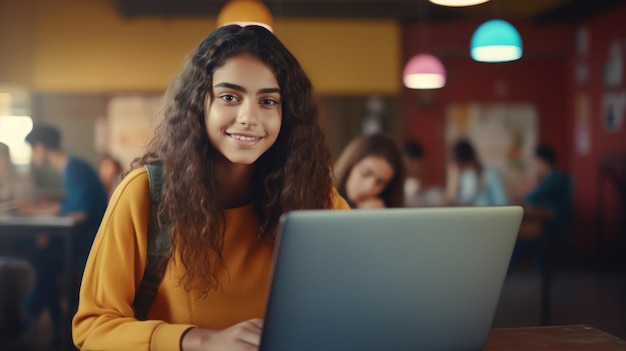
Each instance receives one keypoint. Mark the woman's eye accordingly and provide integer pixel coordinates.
(228, 98)
(268, 102)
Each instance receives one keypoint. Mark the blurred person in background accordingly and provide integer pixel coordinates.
(553, 193)
(110, 173)
(414, 182)
(7, 177)
(417, 191)
(470, 182)
(15, 187)
(370, 172)
(553, 190)
(85, 200)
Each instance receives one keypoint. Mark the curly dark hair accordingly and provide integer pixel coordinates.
(373, 145)
(294, 174)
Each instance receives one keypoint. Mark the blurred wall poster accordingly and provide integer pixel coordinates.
(503, 134)
(130, 122)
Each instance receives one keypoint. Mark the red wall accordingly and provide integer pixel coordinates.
(545, 76)
(603, 30)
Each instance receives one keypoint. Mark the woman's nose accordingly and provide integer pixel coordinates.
(369, 187)
(248, 114)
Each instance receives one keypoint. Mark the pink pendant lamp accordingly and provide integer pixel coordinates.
(424, 71)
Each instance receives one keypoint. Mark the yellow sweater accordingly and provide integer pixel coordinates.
(105, 318)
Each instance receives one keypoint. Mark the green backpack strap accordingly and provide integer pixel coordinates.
(158, 248)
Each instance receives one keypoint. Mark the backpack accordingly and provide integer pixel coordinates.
(159, 247)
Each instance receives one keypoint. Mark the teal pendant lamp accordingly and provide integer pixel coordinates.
(496, 41)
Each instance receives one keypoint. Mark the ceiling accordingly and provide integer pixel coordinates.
(539, 11)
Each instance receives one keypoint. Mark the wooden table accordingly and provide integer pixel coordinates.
(556, 338)
(28, 228)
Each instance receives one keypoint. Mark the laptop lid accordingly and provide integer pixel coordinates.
(391, 279)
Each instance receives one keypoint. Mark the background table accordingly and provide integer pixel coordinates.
(557, 338)
(28, 228)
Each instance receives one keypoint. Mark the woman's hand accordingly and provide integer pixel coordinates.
(372, 202)
(245, 336)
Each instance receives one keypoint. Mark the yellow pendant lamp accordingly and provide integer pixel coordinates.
(458, 3)
(245, 12)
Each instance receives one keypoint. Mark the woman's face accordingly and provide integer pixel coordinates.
(368, 178)
(244, 118)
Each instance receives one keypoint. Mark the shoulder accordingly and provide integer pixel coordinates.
(133, 192)
(79, 173)
(557, 174)
(74, 162)
(337, 201)
(136, 181)
(79, 170)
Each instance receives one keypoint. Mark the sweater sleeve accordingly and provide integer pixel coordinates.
(105, 317)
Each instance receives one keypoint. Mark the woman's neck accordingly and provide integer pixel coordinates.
(235, 183)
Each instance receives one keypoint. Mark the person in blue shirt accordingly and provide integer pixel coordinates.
(85, 199)
(553, 192)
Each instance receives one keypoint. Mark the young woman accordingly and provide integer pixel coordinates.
(470, 183)
(109, 171)
(370, 172)
(239, 145)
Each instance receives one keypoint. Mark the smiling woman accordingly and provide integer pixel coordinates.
(238, 145)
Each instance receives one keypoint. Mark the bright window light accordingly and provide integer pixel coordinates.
(13, 131)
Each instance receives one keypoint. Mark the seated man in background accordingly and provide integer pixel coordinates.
(418, 192)
(554, 193)
(553, 190)
(85, 199)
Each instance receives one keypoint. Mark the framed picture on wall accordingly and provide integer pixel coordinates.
(613, 106)
(503, 134)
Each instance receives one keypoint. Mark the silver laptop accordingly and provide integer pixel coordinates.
(393, 279)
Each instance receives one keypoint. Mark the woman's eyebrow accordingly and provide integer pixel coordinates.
(243, 90)
(230, 86)
(269, 91)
